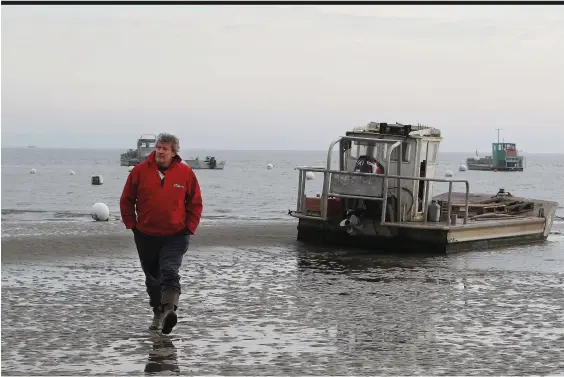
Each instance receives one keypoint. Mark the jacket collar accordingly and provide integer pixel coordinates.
(151, 159)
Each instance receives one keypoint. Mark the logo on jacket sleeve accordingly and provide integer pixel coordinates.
(177, 185)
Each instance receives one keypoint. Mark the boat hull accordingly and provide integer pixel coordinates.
(412, 241)
(129, 158)
(491, 168)
(434, 237)
(129, 161)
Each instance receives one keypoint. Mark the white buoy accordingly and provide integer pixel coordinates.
(100, 212)
(462, 167)
(32, 171)
(131, 167)
(310, 175)
(448, 173)
(71, 172)
(97, 180)
(269, 166)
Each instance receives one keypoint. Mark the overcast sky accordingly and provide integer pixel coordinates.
(281, 77)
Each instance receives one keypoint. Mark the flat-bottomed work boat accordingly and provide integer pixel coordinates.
(381, 197)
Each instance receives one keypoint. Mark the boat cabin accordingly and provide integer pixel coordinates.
(381, 144)
(385, 174)
(145, 145)
(505, 155)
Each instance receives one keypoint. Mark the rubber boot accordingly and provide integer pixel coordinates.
(170, 304)
(158, 316)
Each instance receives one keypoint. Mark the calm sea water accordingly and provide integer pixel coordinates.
(54, 201)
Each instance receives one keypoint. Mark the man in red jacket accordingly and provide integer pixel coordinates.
(166, 195)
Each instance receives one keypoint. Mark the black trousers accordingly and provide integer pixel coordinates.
(161, 258)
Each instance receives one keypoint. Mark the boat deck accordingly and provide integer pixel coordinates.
(472, 223)
(492, 220)
(483, 204)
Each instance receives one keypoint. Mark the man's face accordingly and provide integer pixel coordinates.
(164, 154)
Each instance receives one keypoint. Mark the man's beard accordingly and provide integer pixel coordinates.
(163, 165)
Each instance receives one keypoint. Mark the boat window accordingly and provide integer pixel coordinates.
(361, 148)
(406, 152)
(151, 144)
(432, 154)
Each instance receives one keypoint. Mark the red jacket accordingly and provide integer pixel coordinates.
(161, 209)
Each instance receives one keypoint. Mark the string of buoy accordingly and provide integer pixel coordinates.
(99, 211)
(34, 171)
(94, 180)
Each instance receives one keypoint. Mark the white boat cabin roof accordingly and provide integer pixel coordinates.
(378, 130)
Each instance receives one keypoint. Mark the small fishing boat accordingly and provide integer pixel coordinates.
(210, 162)
(145, 145)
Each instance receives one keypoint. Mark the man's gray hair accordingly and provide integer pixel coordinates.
(168, 138)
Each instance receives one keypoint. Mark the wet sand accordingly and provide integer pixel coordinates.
(267, 305)
(119, 244)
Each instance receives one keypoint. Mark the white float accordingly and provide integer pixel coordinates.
(310, 175)
(269, 166)
(100, 212)
(448, 173)
(462, 167)
(71, 172)
(32, 171)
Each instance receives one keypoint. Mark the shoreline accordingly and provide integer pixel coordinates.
(122, 244)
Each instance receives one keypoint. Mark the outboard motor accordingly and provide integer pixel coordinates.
(212, 163)
(503, 193)
(352, 224)
(354, 219)
(368, 164)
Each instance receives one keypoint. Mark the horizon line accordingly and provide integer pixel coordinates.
(245, 150)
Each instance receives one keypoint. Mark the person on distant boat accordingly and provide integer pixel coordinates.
(166, 195)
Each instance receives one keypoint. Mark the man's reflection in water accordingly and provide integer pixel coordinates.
(163, 356)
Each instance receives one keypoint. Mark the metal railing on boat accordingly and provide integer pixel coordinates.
(327, 171)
